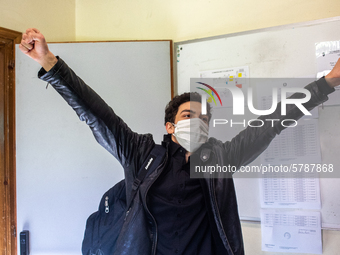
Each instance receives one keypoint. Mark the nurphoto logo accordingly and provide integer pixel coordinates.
(238, 105)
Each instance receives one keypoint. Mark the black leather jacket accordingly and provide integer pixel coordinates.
(139, 232)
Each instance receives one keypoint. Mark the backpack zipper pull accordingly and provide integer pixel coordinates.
(107, 208)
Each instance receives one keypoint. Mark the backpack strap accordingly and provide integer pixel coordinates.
(154, 159)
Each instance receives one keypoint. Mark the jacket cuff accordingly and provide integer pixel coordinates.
(43, 75)
(323, 86)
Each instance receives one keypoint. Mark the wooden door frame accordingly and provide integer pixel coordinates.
(9, 38)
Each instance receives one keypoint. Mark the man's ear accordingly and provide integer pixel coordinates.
(169, 128)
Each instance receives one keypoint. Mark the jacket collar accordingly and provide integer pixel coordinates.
(171, 145)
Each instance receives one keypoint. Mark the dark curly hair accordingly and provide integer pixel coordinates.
(171, 108)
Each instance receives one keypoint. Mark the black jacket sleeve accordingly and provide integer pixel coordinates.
(251, 142)
(109, 130)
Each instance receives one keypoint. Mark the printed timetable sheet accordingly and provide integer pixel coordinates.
(299, 144)
(303, 193)
(291, 231)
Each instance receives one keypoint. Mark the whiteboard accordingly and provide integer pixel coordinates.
(61, 170)
(284, 51)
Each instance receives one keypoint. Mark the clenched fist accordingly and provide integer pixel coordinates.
(34, 45)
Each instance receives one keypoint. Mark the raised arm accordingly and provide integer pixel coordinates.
(109, 130)
(252, 141)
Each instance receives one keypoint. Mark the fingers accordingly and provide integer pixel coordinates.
(34, 45)
(29, 39)
(26, 42)
(35, 30)
(33, 35)
(23, 49)
(30, 36)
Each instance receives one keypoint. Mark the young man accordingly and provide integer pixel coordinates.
(172, 213)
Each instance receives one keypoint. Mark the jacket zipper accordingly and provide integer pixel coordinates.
(127, 213)
(154, 245)
(107, 209)
(218, 212)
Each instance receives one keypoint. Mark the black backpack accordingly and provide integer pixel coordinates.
(103, 226)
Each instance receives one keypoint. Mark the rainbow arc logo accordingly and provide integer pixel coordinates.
(210, 92)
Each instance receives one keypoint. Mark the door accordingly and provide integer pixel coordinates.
(8, 38)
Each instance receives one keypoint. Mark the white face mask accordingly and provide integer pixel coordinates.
(191, 133)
